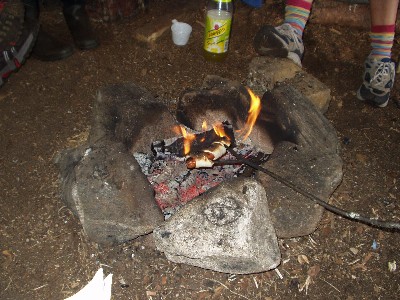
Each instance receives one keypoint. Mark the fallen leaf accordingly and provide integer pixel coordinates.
(392, 266)
(302, 259)
(151, 293)
(9, 257)
(367, 257)
(362, 158)
(314, 271)
(218, 290)
(354, 250)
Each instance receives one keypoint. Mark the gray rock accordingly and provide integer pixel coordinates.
(129, 114)
(101, 181)
(307, 156)
(228, 229)
(317, 92)
(266, 72)
(317, 173)
(108, 192)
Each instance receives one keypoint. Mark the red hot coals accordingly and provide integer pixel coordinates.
(178, 174)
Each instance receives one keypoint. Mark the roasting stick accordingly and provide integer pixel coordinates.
(346, 214)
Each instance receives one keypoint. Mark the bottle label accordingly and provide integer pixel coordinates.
(218, 27)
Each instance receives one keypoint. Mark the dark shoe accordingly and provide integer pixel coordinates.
(79, 25)
(48, 48)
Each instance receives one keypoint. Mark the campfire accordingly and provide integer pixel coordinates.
(182, 168)
(200, 190)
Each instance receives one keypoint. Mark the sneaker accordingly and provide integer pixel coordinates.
(17, 37)
(280, 41)
(12, 58)
(378, 80)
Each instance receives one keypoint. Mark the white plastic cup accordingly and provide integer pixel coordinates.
(180, 32)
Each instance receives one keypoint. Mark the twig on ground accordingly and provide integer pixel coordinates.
(278, 273)
(346, 214)
(40, 287)
(237, 294)
(331, 285)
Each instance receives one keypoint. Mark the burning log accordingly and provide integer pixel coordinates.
(199, 149)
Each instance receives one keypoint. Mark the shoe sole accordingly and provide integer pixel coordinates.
(268, 43)
(268, 35)
(371, 100)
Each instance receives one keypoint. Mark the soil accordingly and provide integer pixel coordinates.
(46, 107)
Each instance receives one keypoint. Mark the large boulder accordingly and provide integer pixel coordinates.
(227, 229)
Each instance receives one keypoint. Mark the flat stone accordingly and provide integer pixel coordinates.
(317, 173)
(307, 156)
(317, 92)
(266, 72)
(105, 188)
(228, 229)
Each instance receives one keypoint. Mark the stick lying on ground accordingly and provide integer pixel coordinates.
(349, 215)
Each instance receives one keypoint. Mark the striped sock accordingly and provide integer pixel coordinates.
(296, 14)
(381, 37)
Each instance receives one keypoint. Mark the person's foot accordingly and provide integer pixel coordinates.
(48, 48)
(79, 25)
(13, 57)
(280, 41)
(16, 37)
(378, 81)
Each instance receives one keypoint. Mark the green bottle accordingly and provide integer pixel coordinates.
(218, 29)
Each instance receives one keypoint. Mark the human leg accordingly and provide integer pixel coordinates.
(78, 23)
(379, 74)
(285, 40)
(47, 47)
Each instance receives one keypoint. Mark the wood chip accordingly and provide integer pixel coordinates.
(302, 259)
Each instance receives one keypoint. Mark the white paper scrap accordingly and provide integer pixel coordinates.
(98, 288)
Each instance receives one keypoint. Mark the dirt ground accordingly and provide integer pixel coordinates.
(46, 107)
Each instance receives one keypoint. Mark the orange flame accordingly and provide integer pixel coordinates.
(254, 111)
(204, 126)
(188, 138)
(219, 130)
(203, 129)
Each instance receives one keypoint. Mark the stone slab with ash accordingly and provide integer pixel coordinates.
(227, 229)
